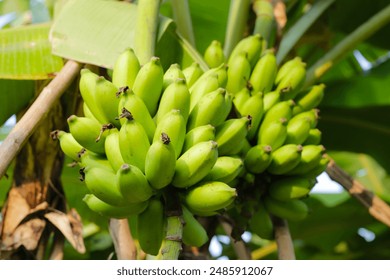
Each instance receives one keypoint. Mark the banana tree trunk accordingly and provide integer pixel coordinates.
(35, 213)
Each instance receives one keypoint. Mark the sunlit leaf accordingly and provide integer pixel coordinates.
(25, 53)
(96, 31)
(366, 170)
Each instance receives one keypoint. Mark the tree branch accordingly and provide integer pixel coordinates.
(125, 248)
(238, 246)
(283, 239)
(379, 209)
(37, 112)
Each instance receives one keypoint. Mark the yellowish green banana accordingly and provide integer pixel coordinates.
(160, 162)
(149, 83)
(133, 184)
(126, 68)
(258, 158)
(194, 164)
(213, 55)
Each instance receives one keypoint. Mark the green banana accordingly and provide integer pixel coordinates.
(133, 141)
(87, 112)
(287, 188)
(220, 72)
(172, 74)
(192, 73)
(106, 100)
(213, 108)
(126, 68)
(230, 135)
(210, 197)
(284, 159)
(321, 167)
(88, 133)
(225, 169)
(201, 89)
(194, 164)
(198, 134)
(68, 144)
(261, 223)
(174, 125)
(298, 130)
(112, 150)
(252, 45)
(309, 99)
(292, 210)
(175, 96)
(111, 211)
(264, 73)
(194, 233)
(102, 183)
(150, 227)
(280, 110)
(160, 162)
(238, 73)
(273, 134)
(258, 158)
(138, 109)
(312, 115)
(254, 107)
(133, 184)
(213, 54)
(90, 159)
(240, 97)
(310, 159)
(286, 68)
(148, 84)
(87, 86)
(270, 99)
(291, 83)
(314, 137)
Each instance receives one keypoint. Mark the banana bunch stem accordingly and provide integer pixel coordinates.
(146, 29)
(172, 246)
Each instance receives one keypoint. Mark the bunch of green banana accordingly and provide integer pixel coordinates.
(282, 149)
(198, 133)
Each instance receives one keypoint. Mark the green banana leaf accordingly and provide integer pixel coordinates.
(361, 130)
(14, 96)
(362, 90)
(96, 31)
(26, 54)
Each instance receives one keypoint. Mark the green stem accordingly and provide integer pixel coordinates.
(173, 240)
(238, 15)
(146, 29)
(347, 44)
(265, 20)
(182, 17)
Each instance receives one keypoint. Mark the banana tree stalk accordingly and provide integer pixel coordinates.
(265, 21)
(283, 239)
(125, 247)
(182, 17)
(360, 34)
(173, 240)
(146, 29)
(238, 16)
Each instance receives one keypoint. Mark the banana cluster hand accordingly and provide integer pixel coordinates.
(282, 152)
(148, 132)
(243, 123)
